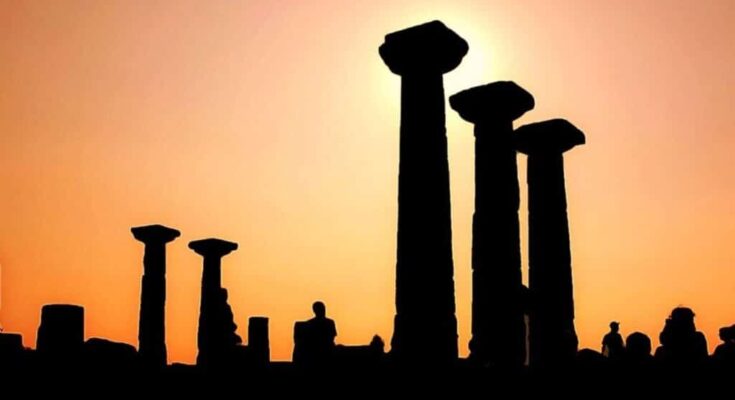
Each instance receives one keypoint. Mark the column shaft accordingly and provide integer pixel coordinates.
(209, 306)
(553, 338)
(425, 323)
(498, 326)
(151, 329)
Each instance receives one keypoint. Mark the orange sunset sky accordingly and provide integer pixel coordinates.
(274, 124)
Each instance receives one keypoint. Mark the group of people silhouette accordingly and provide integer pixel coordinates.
(682, 346)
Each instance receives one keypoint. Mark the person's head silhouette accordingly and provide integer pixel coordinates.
(614, 326)
(320, 310)
(638, 345)
(682, 319)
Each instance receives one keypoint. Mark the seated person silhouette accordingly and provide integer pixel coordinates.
(638, 350)
(323, 329)
(724, 355)
(681, 344)
(612, 343)
(377, 345)
(315, 338)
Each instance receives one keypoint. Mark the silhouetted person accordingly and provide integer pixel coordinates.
(314, 339)
(498, 322)
(552, 336)
(425, 325)
(322, 332)
(681, 344)
(638, 347)
(612, 343)
(377, 344)
(724, 355)
(377, 350)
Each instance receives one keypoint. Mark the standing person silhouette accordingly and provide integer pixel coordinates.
(612, 343)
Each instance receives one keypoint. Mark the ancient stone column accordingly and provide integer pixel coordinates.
(258, 343)
(553, 339)
(217, 338)
(498, 325)
(152, 322)
(61, 332)
(425, 326)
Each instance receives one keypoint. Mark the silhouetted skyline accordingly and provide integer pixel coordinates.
(118, 115)
(520, 332)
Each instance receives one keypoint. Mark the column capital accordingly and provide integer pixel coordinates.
(212, 247)
(495, 103)
(154, 233)
(554, 136)
(426, 48)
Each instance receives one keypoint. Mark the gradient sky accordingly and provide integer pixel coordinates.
(275, 124)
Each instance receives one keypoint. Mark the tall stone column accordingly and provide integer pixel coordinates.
(217, 338)
(152, 322)
(552, 335)
(498, 324)
(425, 329)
